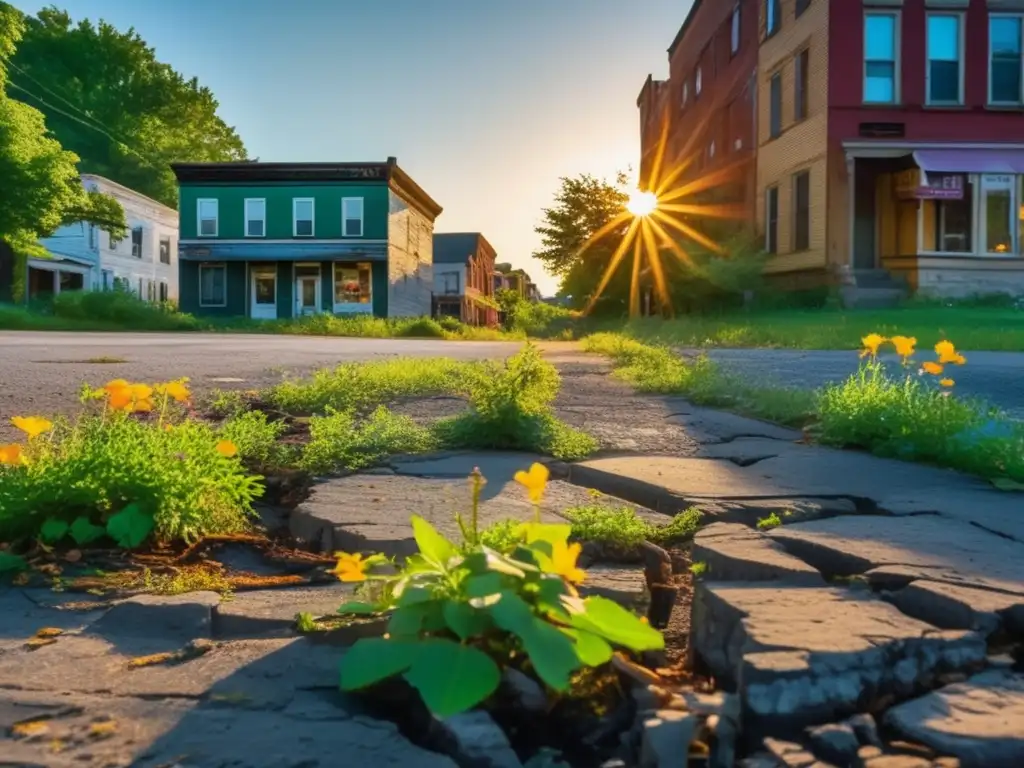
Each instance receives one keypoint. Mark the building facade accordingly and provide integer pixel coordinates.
(464, 278)
(890, 151)
(86, 258)
(283, 240)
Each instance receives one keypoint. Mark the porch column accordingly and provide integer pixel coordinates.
(56, 282)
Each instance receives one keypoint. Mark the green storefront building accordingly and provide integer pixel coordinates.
(281, 240)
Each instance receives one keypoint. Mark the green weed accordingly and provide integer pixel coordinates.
(767, 523)
(256, 438)
(623, 529)
(340, 441)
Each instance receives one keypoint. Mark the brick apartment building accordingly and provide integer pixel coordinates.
(886, 146)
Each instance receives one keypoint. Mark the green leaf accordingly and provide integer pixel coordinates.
(130, 527)
(452, 678)
(413, 595)
(592, 650)
(84, 532)
(413, 619)
(551, 653)
(432, 544)
(611, 621)
(11, 563)
(483, 586)
(489, 560)
(361, 609)
(53, 530)
(552, 534)
(464, 620)
(373, 659)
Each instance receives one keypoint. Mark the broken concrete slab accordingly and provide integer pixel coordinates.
(271, 612)
(499, 467)
(953, 607)
(923, 546)
(734, 552)
(996, 511)
(708, 426)
(174, 619)
(624, 584)
(804, 655)
(977, 721)
(23, 612)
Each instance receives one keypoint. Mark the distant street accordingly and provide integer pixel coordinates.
(997, 377)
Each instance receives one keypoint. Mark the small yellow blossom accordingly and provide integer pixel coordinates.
(227, 448)
(947, 353)
(33, 426)
(563, 562)
(871, 344)
(535, 481)
(946, 382)
(10, 454)
(350, 567)
(934, 369)
(176, 390)
(112, 386)
(168, 427)
(904, 345)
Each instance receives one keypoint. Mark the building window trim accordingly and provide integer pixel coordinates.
(222, 266)
(1019, 101)
(215, 218)
(735, 30)
(346, 217)
(801, 84)
(342, 307)
(801, 8)
(138, 240)
(295, 216)
(249, 218)
(772, 17)
(165, 240)
(928, 100)
(775, 105)
(896, 60)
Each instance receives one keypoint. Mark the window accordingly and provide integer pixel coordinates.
(150, 290)
(1004, 73)
(711, 150)
(802, 64)
(351, 283)
(771, 215)
(255, 217)
(734, 40)
(772, 17)
(352, 217)
(165, 250)
(880, 50)
(697, 83)
(207, 215)
(953, 224)
(92, 237)
(686, 92)
(140, 288)
(302, 217)
(775, 106)
(163, 291)
(451, 283)
(137, 242)
(802, 211)
(945, 64)
(212, 285)
(114, 242)
(801, 6)
(998, 214)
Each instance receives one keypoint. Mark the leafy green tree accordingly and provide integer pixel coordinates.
(108, 99)
(39, 179)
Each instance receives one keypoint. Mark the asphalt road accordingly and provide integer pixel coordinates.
(997, 377)
(41, 372)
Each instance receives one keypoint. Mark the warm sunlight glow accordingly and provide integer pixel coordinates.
(642, 203)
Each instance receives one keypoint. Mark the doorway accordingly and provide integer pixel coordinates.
(865, 248)
(308, 295)
(264, 293)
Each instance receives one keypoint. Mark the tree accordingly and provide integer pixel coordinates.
(40, 181)
(108, 99)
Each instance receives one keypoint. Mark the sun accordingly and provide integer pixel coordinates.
(642, 203)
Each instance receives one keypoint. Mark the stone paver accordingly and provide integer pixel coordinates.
(734, 552)
(953, 607)
(271, 612)
(978, 721)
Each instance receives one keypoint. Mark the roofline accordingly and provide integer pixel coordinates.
(686, 25)
(129, 190)
(480, 239)
(643, 89)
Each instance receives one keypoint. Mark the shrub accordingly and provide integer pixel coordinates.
(421, 328)
(338, 441)
(623, 529)
(121, 308)
(255, 437)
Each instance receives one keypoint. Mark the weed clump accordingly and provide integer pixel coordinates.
(339, 441)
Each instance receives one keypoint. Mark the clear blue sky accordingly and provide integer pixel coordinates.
(486, 103)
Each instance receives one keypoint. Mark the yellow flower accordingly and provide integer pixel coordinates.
(227, 448)
(871, 344)
(176, 390)
(124, 396)
(168, 427)
(33, 426)
(563, 562)
(10, 454)
(112, 386)
(933, 368)
(947, 382)
(947, 353)
(535, 480)
(350, 567)
(904, 345)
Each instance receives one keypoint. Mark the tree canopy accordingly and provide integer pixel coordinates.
(109, 100)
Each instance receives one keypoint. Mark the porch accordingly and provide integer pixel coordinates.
(48, 277)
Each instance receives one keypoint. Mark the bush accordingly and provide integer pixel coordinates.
(624, 530)
(421, 328)
(338, 441)
(255, 437)
(121, 308)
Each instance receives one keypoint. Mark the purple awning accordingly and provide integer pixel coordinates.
(970, 160)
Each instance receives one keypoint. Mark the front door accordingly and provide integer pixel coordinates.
(264, 295)
(309, 295)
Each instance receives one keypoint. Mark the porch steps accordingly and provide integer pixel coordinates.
(873, 289)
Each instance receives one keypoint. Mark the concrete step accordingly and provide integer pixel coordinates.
(877, 278)
(857, 297)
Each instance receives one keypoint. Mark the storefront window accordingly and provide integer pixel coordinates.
(953, 224)
(999, 213)
(351, 283)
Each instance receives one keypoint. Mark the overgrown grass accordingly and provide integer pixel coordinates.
(662, 371)
(340, 441)
(623, 529)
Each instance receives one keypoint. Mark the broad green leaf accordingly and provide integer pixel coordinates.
(412, 595)
(432, 544)
(525, 556)
(413, 619)
(83, 532)
(130, 527)
(551, 534)
(11, 563)
(482, 586)
(613, 622)
(592, 650)
(464, 620)
(452, 678)
(53, 530)
(373, 659)
(361, 609)
(489, 560)
(551, 653)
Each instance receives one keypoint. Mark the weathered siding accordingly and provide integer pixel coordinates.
(410, 259)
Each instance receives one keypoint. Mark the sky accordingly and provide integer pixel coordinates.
(485, 103)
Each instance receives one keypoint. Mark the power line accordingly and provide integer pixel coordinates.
(52, 92)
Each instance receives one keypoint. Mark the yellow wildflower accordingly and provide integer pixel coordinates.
(904, 345)
(535, 481)
(934, 369)
(871, 344)
(947, 353)
(563, 562)
(168, 427)
(350, 567)
(227, 448)
(33, 426)
(176, 390)
(112, 386)
(10, 454)
(947, 382)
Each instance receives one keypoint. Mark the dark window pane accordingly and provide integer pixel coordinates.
(802, 211)
(801, 6)
(1006, 79)
(772, 220)
(775, 118)
(944, 81)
